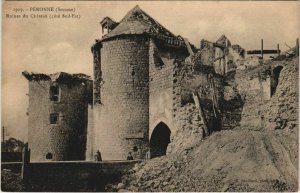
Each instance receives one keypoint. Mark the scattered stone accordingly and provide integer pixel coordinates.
(225, 188)
(120, 186)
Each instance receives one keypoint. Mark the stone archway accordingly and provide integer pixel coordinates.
(275, 79)
(159, 140)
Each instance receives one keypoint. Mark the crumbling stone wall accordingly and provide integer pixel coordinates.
(121, 121)
(256, 85)
(209, 87)
(165, 88)
(190, 130)
(284, 103)
(160, 87)
(65, 140)
(162, 67)
(219, 61)
(192, 122)
(206, 55)
(220, 54)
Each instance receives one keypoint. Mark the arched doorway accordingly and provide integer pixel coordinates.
(159, 141)
(275, 77)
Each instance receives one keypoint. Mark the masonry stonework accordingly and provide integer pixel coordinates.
(57, 129)
(121, 120)
(162, 66)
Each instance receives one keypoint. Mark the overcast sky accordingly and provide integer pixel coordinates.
(48, 46)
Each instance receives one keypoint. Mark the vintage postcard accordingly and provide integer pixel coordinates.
(150, 96)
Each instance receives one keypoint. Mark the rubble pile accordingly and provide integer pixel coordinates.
(240, 160)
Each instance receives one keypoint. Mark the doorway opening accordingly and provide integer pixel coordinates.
(160, 140)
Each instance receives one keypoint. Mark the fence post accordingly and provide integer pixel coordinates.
(25, 161)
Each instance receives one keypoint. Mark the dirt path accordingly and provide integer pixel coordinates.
(280, 157)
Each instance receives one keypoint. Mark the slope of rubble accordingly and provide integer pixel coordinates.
(241, 160)
(246, 158)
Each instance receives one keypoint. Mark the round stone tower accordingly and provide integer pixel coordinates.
(122, 124)
(121, 83)
(57, 116)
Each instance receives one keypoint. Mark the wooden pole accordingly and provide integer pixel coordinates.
(297, 47)
(278, 50)
(262, 49)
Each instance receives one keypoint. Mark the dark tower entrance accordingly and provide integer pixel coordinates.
(159, 141)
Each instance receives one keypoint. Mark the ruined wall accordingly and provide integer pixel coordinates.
(190, 127)
(65, 140)
(162, 63)
(121, 121)
(254, 87)
(160, 88)
(209, 87)
(219, 63)
(192, 123)
(284, 102)
(205, 56)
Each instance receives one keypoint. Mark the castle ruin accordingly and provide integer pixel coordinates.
(149, 86)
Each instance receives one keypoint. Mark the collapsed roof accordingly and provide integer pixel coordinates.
(56, 77)
(137, 22)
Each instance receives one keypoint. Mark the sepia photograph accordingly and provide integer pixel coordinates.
(150, 96)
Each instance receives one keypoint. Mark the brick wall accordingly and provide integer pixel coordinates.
(66, 140)
(121, 120)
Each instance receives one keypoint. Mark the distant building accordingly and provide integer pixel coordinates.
(221, 55)
(58, 115)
